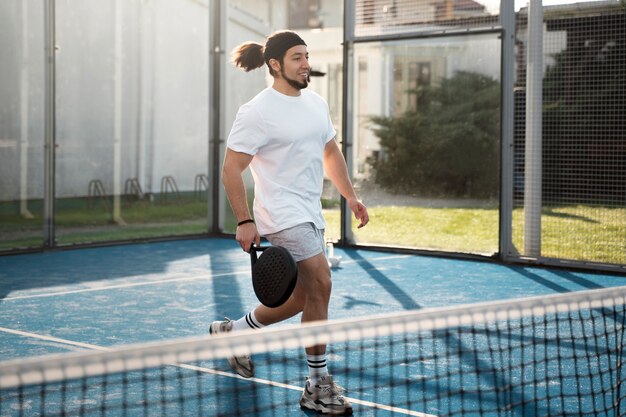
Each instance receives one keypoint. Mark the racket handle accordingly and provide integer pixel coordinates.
(253, 250)
(252, 253)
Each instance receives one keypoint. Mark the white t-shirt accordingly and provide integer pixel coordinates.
(287, 136)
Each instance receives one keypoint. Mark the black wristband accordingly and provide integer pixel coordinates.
(244, 222)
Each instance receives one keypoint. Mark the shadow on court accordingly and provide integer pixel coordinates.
(569, 276)
(71, 267)
(405, 300)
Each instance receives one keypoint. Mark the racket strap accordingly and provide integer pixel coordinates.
(247, 322)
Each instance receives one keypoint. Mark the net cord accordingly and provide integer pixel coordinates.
(58, 367)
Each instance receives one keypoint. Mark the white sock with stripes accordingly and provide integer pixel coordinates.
(247, 322)
(317, 367)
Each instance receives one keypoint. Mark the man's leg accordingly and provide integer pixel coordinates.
(317, 286)
(320, 393)
(311, 297)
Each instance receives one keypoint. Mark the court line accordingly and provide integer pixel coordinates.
(216, 372)
(381, 258)
(127, 285)
(53, 339)
(162, 281)
(299, 389)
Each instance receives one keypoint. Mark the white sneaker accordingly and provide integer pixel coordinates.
(241, 364)
(325, 397)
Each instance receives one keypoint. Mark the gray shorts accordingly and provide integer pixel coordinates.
(303, 241)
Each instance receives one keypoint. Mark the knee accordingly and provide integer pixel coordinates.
(314, 276)
(321, 287)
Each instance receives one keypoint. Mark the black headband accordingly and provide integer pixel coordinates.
(278, 44)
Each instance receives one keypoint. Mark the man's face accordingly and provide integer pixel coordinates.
(295, 67)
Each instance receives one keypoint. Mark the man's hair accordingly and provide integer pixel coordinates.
(248, 56)
(252, 55)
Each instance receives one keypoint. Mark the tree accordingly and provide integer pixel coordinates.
(449, 146)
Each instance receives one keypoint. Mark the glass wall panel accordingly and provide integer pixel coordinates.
(320, 24)
(426, 127)
(131, 119)
(21, 124)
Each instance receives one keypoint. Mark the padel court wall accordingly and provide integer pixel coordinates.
(471, 128)
(501, 135)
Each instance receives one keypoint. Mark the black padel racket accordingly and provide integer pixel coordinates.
(274, 274)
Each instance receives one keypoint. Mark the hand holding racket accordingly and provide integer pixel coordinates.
(274, 274)
(247, 234)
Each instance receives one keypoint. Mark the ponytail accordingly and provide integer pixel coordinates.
(252, 55)
(248, 56)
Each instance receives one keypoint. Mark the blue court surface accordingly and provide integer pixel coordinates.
(97, 298)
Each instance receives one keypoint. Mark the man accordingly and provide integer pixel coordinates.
(285, 136)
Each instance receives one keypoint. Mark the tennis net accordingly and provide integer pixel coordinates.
(557, 355)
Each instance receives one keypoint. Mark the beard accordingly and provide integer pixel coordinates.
(298, 85)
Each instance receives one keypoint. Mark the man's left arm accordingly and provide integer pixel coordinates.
(337, 171)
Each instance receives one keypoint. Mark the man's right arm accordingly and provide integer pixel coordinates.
(235, 163)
